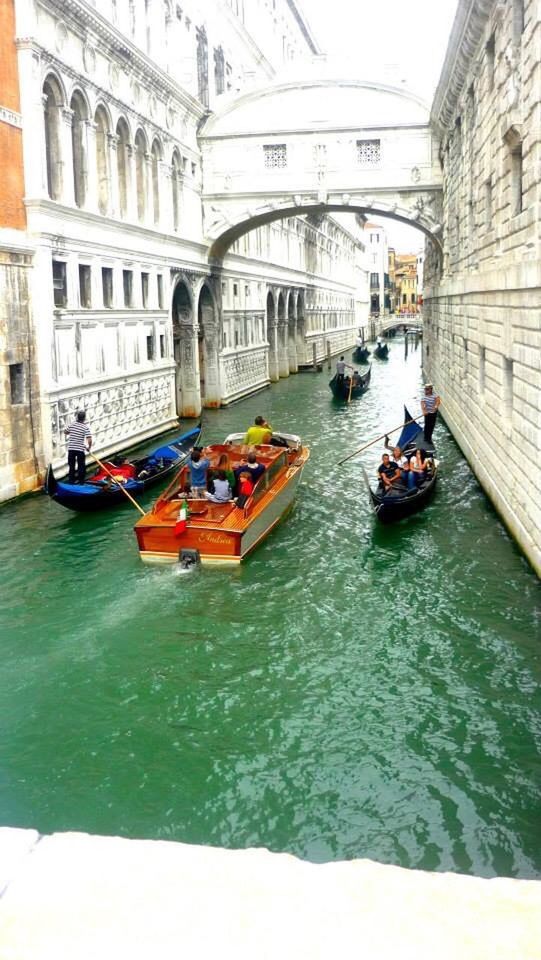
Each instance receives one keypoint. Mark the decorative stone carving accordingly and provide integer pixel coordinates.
(89, 58)
(61, 36)
(415, 174)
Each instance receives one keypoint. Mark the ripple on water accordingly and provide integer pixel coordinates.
(351, 691)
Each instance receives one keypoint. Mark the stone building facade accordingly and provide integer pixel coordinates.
(482, 304)
(124, 316)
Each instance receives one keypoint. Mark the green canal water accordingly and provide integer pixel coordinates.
(352, 691)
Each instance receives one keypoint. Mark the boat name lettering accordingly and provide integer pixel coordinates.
(213, 538)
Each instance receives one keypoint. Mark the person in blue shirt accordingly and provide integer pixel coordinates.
(251, 467)
(198, 473)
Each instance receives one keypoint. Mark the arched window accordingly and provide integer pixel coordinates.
(122, 151)
(78, 142)
(102, 164)
(175, 188)
(156, 158)
(52, 103)
(140, 174)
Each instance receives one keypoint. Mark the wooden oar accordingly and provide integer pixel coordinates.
(372, 442)
(118, 483)
(350, 387)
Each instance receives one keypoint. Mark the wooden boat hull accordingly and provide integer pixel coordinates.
(382, 353)
(391, 508)
(340, 391)
(361, 354)
(230, 539)
(89, 497)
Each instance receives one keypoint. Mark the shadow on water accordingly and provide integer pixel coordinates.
(353, 690)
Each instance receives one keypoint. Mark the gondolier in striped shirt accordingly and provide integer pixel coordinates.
(79, 441)
(429, 405)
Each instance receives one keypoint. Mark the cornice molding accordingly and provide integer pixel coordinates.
(89, 24)
(470, 22)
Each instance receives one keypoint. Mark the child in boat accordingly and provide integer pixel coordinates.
(246, 488)
(221, 489)
(223, 464)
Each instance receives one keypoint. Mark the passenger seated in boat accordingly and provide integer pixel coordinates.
(418, 466)
(198, 473)
(356, 378)
(389, 473)
(251, 467)
(246, 488)
(223, 464)
(260, 432)
(221, 490)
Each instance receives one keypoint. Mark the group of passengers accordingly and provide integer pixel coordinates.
(222, 483)
(401, 471)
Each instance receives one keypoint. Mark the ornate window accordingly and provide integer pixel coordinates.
(102, 165)
(219, 70)
(368, 152)
(202, 66)
(79, 118)
(156, 158)
(275, 155)
(140, 174)
(52, 103)
(122, 149)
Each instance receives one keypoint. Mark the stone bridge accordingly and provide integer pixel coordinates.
(316, 147)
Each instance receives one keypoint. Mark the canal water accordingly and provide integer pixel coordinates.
(351, 691)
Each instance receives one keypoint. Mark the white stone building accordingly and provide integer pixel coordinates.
(482, 305)
(377, 247)
(130, 322)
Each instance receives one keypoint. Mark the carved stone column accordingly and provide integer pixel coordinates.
(283, 359)
(189, 394)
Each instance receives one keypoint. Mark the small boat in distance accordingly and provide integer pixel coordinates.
(400, 502)
(223, 533)
(361, 354)
(100, 491)
(346, 390)
(381, 351)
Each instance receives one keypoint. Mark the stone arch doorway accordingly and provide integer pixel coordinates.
(271, 337)
(292, 332)
(207, 336)
(183, 337)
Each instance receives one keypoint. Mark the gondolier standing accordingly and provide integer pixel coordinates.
(79, 441)
(429, 405)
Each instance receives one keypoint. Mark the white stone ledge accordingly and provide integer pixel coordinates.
(81, 897)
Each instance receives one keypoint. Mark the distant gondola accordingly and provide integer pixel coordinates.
(361, 354)
(399, 502)
(345, 391)
(99, 491)
(381, 351)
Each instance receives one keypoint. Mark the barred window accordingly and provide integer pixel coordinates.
(275, 155)
(368, 151)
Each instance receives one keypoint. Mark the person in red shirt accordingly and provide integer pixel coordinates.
(245, 488)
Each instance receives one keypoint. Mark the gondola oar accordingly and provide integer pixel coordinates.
(350, 387)
(382, 437)
(118, 483)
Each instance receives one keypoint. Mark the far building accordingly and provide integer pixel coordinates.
(378, 259)
(406, 283)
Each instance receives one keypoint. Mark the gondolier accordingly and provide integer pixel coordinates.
(429, 405)
(79, 441)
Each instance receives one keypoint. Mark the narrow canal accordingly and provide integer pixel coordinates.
(352, 691)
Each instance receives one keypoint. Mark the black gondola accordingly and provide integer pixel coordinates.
(361, 354)
(99, 491)
(400, 502)
(381, 351)
(345, 390)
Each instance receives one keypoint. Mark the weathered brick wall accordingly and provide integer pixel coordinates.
(19, 421)
(483, 312)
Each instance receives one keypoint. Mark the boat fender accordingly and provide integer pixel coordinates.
(189, 558)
